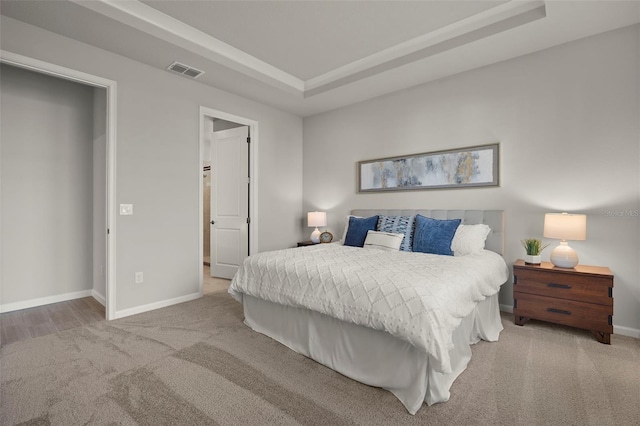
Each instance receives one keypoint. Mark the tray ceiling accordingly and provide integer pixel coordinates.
(311, 56)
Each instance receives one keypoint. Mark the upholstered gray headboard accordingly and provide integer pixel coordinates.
(493, 218)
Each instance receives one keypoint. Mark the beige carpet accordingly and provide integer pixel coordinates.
(197, 363)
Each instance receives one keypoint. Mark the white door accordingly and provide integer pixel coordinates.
(229, 201)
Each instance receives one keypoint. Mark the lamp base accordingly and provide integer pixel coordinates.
(315, 236)
(564, 256)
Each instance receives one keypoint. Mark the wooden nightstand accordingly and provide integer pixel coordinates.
(306, 243)
(580, 297)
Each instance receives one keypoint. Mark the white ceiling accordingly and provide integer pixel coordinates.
(308, 39)
(311, 56)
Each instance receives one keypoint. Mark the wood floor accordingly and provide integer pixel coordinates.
(42, 320)
(39, 321)
(212, 284)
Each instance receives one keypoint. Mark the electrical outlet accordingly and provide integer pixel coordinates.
(126, 209)
(139, 277)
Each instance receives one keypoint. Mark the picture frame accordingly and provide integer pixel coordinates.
(468, 167)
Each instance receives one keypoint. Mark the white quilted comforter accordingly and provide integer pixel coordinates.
(417, 297)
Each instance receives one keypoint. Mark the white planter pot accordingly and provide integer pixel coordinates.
(532, 260)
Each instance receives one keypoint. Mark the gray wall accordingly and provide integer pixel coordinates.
(47, 200)
(567, 121)
(157, 164)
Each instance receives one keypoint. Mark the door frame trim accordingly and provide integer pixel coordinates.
(110, 137)
(208, 113)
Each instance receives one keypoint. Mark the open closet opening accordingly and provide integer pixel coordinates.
(54, 203)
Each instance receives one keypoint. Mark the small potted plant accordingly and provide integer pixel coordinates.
(533, 247)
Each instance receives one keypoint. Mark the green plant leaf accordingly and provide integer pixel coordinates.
(533, 246)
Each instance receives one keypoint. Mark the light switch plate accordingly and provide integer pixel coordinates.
(126, 209)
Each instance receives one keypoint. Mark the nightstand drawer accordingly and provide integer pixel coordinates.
(583, 288)
(567, 312)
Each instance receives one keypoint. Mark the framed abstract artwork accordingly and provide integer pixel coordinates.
(473, 166)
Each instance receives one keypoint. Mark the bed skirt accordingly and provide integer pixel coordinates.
(370, 356)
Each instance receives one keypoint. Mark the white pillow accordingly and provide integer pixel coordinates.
(346, 228)
(469, 239)
(383, 240)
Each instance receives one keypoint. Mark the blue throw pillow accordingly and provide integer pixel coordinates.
(433, 235)
(398, 225)
(358, 228)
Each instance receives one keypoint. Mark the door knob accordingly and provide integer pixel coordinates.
(213, 222)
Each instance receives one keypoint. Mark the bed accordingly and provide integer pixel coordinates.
(396, 320)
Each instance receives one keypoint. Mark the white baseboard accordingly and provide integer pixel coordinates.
(617, 329)
(100, 298)
(626, 331)
(156, 305)
(41, 301)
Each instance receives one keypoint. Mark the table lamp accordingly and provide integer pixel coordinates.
(565, 226)
(315, 219)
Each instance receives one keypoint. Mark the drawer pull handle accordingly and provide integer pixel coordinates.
(558, 311)
(554, 285)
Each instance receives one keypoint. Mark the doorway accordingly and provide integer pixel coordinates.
(103, 105)
(218, 128)
(228, 187)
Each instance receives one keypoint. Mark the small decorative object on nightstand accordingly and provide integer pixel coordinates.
(326, 237)
(581, 297)
(533, 247)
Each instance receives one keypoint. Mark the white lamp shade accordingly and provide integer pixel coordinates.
(565, 226)
(315, 219)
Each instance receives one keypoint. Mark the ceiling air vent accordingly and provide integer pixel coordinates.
(185, 70)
